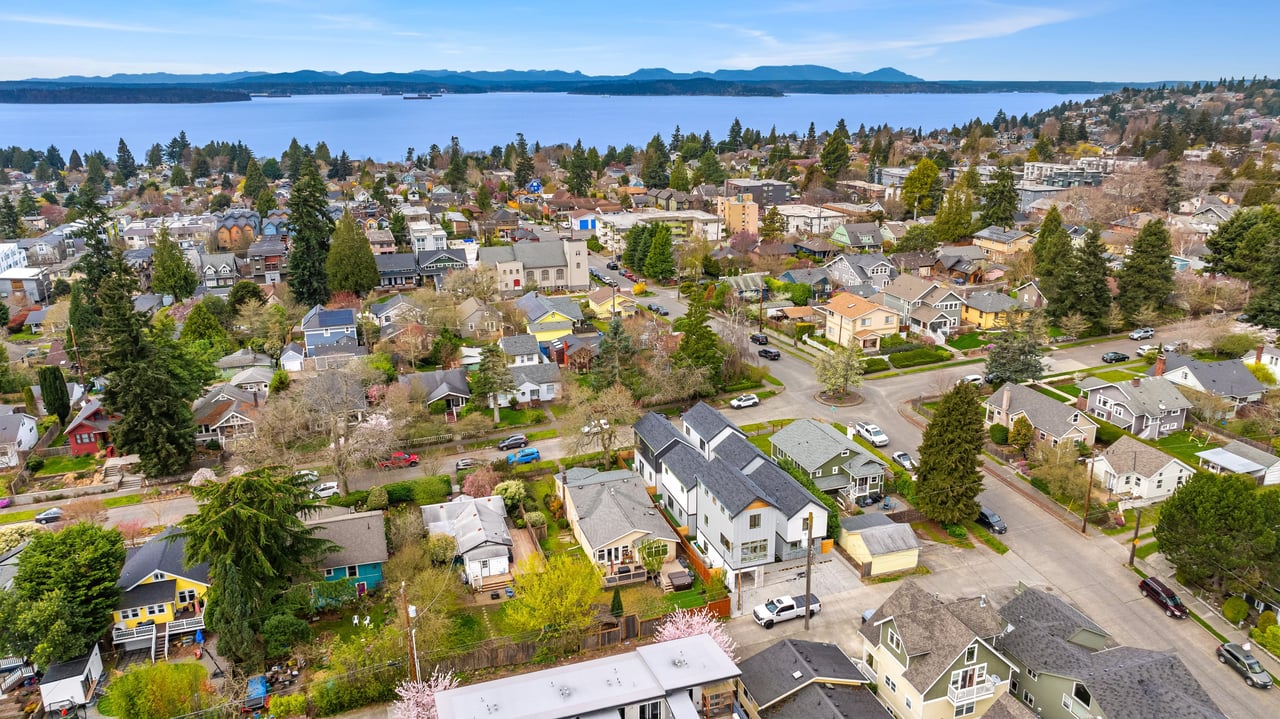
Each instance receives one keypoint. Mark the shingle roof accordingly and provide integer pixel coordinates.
(539, 374)
(145, 595)
(770, 675)
(656, 431)
(438, 383)
(908, 287)
(361, 538)
(864, 521)
(610, 509)
(519, 345)
(705, 421)
(1044, 413)
(1228, 378)
(1251, 453)
(1128, 455)
(66, 670)
(535, 306)
(472, 521)
(889, 538)
(987, 301)
(161, 553)
(1152, 396)
(812, 444)
(685, 463)
(396, 264)
(851, 305)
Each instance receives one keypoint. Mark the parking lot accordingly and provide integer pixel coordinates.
(832, 575)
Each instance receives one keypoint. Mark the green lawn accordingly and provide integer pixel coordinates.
(122, 501)
(342, 626)
(1068, 388)
(1146, 550)
(969, 341)
(25, 515)
(1181, 445)
(761, 441)
(432, 490)
(986, 537)
(543, 434)
(1114, 375)
(1049, 393)
(62, 465)
(520, 417)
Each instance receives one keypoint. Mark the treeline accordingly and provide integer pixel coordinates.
(117, 94)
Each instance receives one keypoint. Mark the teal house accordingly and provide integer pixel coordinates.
(362, 548)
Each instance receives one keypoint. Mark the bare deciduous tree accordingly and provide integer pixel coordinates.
(481, 283)
(584, 426)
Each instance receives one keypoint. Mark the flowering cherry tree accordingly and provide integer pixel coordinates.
(689, 622)
(418, 699)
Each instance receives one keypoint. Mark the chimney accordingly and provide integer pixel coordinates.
(1159, 371)
(1136, 381)
(1257, 357)
(1082, 402)
(1004, 401)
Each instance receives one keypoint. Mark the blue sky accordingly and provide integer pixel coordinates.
(1133, 40)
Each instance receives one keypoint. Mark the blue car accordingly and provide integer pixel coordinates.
(524, 456)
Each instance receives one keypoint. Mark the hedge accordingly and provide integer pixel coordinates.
(917, 357)
(875, 364)
(1000, 434)
(898, 349)
(1108, 433)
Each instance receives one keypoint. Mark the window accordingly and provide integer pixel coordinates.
(651, 710)
(1029, 698)
(129, 613)
(753, 521)
(186, 595)
(894, 641)
(893, 687)
(1081, 693)
(804, 524)
(724, 542)
(156, 609)
(971, 654)
(758, 549)
(1013, 686)
(866, 321)
(351, 571)
(817, 473)
(964, 710)
(1032, 675)
(908, 701)
(157, 577)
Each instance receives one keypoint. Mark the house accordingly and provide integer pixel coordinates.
(925, 306)
(361, 541)
(798, 679)
(852, 321)
(963, 265)
(534, 384)
(879, 545)
(864, 236)
(1029, 294)
(396, 309)
(682, 678)
(935, 657)
(549, 318)
(1000, 245)
(18, 434)
(817, 279)
(834, 462)
(218, 270)
(484, 545)
(442, 385)
(1240, 458)
(322, 327)
(335, 354)
(70, 684)
(243, 359)
(547, 264)
(988, 310)
(267, 261)
(1067, 667)
(26, 285)
(915, 263)
(608, 302)
(1053, 421)
(1229, 380)
(743, 510)
(396, 271)
(851, 270)
(575, 352)
(160, 596)
(1140, 470)
(434, 265)
(89, 428)
(226, 412)
(253, 379)
(292, 357)
(1150, 407)
(615, 522)
(477, 320)
(382, 242)
(1266, 355)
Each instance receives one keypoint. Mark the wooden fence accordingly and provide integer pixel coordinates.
(501, 652)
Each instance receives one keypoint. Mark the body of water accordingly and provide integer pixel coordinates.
(382, 127)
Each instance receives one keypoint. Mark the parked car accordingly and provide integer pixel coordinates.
(1144, 349)
(989, 519)
(770, 354)
(596, 426)
(515, 441)
(327, 489)
(527, 455)
(780, 609)
(760, 338)
(1239, 659)
(629, 275)
(904, 460)
(1142, 333)
(306, 476)
(49, 516)
(657, 309)
(465, 463)
(872, 433)
(1161, 594)
(611, 265)
(5, 502)
(398, 460)
(743, 401)
(970, 379)
(1112, 357)
(1180, 347)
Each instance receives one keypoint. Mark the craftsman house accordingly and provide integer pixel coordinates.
(834, 462)
(613, 518)
(160, 596)
(361, 548)
(1052, 420)
(484, 545)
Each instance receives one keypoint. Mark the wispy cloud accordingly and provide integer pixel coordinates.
(87, 24)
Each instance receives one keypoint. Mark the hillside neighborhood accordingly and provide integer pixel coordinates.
(555, 431)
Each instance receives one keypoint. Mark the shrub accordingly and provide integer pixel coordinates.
(512, 492)
(562, 523)
(875, 364)
(1235, 609)
(956, 531)
(1040, 484)
(377, 498)
(899, 348)
(519, 522)
(1266, 620)
(279, 382)
(289, 705)
(529, 505)
(398, 492)
(1269, 639)
(352, 499)
(213, 445)
(442, 548)
(917, 357)
(35, 463)
(536, 519)
(999, 434)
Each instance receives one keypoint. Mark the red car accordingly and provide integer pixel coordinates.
(398, 460)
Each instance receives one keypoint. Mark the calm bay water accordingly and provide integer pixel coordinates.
(383, 127)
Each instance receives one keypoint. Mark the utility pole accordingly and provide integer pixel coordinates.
(808, 570)
(75, 345)
(1088, 490)
(1133, 546)
(408, 626)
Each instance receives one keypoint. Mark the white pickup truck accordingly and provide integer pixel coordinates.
(780, 609)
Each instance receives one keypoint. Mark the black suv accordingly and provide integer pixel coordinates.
(1156, 591)
(760, 338)
(992, 521)
(515, 441)
(770, 354)
(611, 265)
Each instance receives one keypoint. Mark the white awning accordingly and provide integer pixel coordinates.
(681, 706)
(1230, 462)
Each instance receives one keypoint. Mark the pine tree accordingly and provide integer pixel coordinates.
(1085, 288)
(523, 168)
(492, 378)
(1146, 278)
(834, 158)
(1015, 355)
(1000, 200)
(455, 176)
(653, 172)
(922, 189)
(311, 229)
(53, 390)
(1053, 253)
(400, 231)
(172, 274)
(660, 263)
(155, 155)
(254, 182)
(679, 176)
(579, 180)
(698, 346)
(712, 171)
(178, 178)
(948, 481)
(350, 264)
(265, 202)
(125, 164)
(955, 215)
(202, 326)
(774, 225)
(810, 144)
(74, 162)
(10, 220)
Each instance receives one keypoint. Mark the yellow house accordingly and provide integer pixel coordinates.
(613, 518)
(1000, 245)
(879, 545)
(549, 318)
(851, 319)
(608, 302)
(159, 595)
(990, 310)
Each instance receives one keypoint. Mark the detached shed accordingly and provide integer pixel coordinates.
(71, 683)
(878, 544)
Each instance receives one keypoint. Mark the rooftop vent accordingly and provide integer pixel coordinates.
(797, 674)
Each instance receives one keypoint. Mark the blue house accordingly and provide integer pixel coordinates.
(361, 552)
(322, 327)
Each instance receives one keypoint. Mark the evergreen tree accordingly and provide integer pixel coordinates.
(523, 167)
(400, 231)
(1244, 244)
(243, 292)
(919, 238)
(734, 140)
(492, 378)
(653, 172)
(199, 164)
(311, 229)
(172, 274)
(455, 175)
(947, 480)
(698, 347)
(126, 167)
(810, 144)
(955, 216)
(1053, 253)
(74, 162)
(155, 156)
(579, 180)
(53, 390)
(1084, 288)
(659, 263)
(1146, 278)
(271, 169)
(1015, 355)
(614, 358)
(265, 202)
(10, 220)
(679, 176)
(1000, 200)
(922, 189)
(54, 156)
(178, 178)
(201, 325)
(774, 225)
(254, 182)
(712, 171)
(350, 264)
(834, 159)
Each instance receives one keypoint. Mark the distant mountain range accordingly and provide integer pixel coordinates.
(768, 80)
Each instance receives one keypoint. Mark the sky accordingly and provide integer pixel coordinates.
(1106, 40)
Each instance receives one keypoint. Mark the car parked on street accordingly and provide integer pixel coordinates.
(1239, 659)
(1143, 350)
(399, 460)
(1113, 357)
(769, 354)
(611, 265)
(657, 309)
(596, 426)
(1162, 595)
(1142, 333)
(325, 490)
(970, 379)
(904, 460)
(465, 463)
(743, 401)
(992, 521)
(872, 433)
(528, 455)
(515, 441)
(760, 338)
(49, 516)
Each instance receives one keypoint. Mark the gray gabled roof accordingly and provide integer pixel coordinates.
(685, 463)
(475, 522)
(1151, 397)
(539, 374)
(611, 507)
(535, 306)
(812, 444)
(987, 301)
(656, 431)
(145, 595)
(766, 480)
(1228, 378)
(1251, 453)
(770, 675)
(1044, 413)
(516, 345)
(403, 264)
(705, 421)
(438, 383)
(889, 538)
(361, 538)
(1128, 455)
(161, 553)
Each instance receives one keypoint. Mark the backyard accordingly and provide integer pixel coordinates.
(62, 465)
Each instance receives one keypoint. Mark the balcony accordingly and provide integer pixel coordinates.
(981, 690)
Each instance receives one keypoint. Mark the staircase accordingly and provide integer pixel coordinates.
(130, 481)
